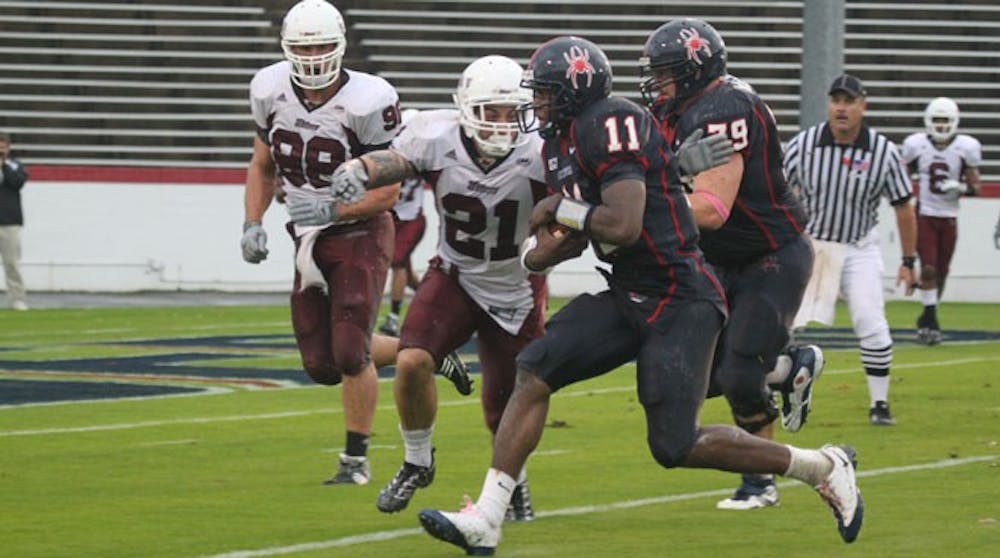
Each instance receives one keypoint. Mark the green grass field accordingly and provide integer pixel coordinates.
(237, 472)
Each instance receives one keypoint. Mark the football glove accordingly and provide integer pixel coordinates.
(309, 211)
(951, 189)
(349, 181)
(697, 154)
(254, 242)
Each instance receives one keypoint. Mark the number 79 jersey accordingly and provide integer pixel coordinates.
(483, 211)
(308, 144)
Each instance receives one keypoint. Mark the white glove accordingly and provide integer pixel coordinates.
(349, 182)
(696, 154)
(254, 242)
(309, 211)
(951, 189)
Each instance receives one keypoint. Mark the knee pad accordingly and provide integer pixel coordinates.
(754, 419)
(757, 330)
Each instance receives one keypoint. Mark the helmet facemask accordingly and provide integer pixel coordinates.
(486, 85)
(559, 109)
(313, 23)
(657, 76)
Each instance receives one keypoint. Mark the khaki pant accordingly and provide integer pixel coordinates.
(10, 253)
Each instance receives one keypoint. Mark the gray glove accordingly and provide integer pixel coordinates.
(696, 154)
(308, 211)
(254, 242)
(349, 181)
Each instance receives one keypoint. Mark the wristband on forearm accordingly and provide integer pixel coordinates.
(574, 214)
(909, 262)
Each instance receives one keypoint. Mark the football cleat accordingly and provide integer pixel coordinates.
(457, 373)
(353, 470)
(796, 390)
(396, 495)
(467, 529)
(879, 415)
(840, 491)
(520, 504)
(390, 326)
(754, 492)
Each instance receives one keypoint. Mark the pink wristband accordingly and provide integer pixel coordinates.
(720, 207)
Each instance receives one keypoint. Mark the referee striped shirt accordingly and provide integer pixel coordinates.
(841, 185)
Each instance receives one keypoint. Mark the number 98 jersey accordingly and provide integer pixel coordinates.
(308, 144)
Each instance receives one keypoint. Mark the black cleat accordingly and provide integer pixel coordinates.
(457, 373)
(396, 495)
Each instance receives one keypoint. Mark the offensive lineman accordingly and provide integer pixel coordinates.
(751, 232)
(947, 166)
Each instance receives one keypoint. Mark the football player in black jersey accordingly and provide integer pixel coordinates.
(751, 232)
(663, 307)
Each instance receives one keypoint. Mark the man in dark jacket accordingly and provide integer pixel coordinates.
(12, 179)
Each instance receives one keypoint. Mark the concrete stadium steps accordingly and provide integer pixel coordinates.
(155, 83)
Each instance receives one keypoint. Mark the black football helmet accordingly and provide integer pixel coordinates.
(575, 71)
(687, 52)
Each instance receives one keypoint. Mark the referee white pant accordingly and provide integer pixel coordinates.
(10, 253)
(854, 271)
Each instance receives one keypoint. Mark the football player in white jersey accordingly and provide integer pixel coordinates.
(946, 164)
(408, 216)
(311, 116)
(486, 178)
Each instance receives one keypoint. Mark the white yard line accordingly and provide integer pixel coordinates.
(378, 536)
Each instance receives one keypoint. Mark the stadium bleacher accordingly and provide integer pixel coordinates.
(164, 84)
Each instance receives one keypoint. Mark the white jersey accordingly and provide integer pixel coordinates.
(308, 145)
(483, 214)
(411, 199)
(937, 165)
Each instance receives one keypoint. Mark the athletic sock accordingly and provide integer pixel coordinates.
(878, 388)
(357, 444)
(808, 466)
(396, 306)
(495, 497)
(418, 446)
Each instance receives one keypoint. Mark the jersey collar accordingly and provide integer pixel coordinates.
(826, 138)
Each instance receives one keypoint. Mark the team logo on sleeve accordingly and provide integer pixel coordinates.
(578, 62)
(695, 45)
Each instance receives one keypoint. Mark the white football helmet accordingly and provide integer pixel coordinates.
(941, 108)
(314, 22)
(491, 80)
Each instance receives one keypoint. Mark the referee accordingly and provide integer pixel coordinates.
(842, 168)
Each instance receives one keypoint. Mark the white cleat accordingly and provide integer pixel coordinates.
(467, 529)
(753, 493)
(796, 391)
(840, 491)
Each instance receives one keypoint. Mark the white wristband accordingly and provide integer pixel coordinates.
(574, 214)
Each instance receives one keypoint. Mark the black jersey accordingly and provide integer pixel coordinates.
(615, 139)
(766, 213)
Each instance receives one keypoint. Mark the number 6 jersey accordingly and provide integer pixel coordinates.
(483, 211)
(935, 166)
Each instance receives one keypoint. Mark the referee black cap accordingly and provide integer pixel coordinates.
(848, 84)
